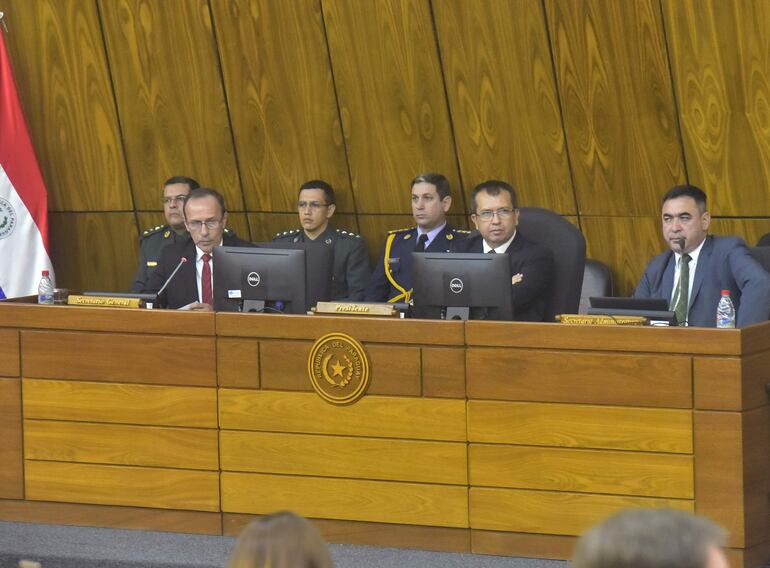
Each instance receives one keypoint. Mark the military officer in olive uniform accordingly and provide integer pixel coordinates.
(391, 280)
(350, 272)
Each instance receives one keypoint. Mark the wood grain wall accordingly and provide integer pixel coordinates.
(592, 108)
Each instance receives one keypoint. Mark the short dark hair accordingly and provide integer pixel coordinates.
(189, 182)
(200, 192)
(323, 186)
(648, 538)
(439, 180)
(493, 187)
(688, 190)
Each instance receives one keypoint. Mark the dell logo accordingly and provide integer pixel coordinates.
(456, 285)
(253, 279)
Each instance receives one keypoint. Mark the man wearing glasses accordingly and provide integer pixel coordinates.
(495, 212)
(154, 240)
(316, 206)
(205, 217)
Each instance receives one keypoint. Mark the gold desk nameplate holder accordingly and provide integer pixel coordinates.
(104, 302)
(354, 309)
(581, 319)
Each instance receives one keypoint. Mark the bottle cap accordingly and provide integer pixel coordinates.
(725, 292)
(45, 273)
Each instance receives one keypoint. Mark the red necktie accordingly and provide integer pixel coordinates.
(206, 280)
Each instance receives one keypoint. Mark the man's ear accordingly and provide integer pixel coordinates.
(446, 203)
(705, 220)
(330, 210)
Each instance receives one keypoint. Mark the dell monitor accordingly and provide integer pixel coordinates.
(256, 279)
(656, 310)
(462, 286)
(319, 261)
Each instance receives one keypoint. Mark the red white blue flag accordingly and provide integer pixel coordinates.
(23, 199)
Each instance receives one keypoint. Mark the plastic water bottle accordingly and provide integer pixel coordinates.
(45, 289)
(725, 311)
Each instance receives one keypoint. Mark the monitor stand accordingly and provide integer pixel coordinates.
(250, 306)
(463, 313)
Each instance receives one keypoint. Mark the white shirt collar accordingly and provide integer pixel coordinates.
(693, 255)
(500, 249)
(199, 253)
(431, 234)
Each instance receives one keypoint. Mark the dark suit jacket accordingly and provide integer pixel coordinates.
(380, 289)
(535, 262)
(724, 263)
(183, 289)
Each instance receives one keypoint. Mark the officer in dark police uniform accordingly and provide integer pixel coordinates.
(391, 279)
(154, 240)
(350, 272)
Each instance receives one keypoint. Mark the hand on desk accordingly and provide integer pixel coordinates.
(197, 307)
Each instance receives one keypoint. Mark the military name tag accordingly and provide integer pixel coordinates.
(338, 368)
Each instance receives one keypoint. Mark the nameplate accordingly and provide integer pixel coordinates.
(580, 319)
(353, 309)
(104, 301)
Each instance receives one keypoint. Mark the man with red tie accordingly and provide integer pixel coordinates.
(191, 288)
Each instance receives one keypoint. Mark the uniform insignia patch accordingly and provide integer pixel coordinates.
(328, 241)
(167, 234)
(407, 236)
(152, 263)
(449, 237)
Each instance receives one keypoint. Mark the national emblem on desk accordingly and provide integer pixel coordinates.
(338, 368)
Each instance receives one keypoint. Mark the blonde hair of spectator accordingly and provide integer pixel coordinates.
(280, 540)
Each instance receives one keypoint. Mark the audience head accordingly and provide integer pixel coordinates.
(280, 540)
(205, 217)
(431, 200)
(685, 218)
(175, 189)
(315, 205)
(495, 211)
(652, 538)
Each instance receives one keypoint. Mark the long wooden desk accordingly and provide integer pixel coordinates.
(488, 437)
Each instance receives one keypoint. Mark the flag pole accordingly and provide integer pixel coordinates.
(2, 21)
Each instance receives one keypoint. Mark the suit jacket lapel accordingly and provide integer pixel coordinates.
(704, 259)
(437, 244)
(667, 282)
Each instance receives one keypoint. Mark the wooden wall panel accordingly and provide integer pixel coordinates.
(376, 416)
(149, 405)
(281, 100)
(237, 363)
(66, 92)
(391, 96)
(183, 448)
(146, 358)
(94, 251)
(594, 378)
(115, 485)
(619, 113)
(550, 512)
(720, 57)
(626, 244)
(502, 94)
(750, 230)
(559, 469)
(580, 426)
(337, 456)
(11, 456)
(10, 355)
(170, 98)
(350, 499)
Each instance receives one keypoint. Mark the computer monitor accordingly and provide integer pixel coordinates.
(256, 279)
(461, 286)
(656, 310)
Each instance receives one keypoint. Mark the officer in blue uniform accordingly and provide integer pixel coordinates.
(391, 280)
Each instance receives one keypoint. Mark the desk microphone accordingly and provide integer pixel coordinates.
(681, 243)
(168, 280)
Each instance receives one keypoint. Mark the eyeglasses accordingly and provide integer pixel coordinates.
(314, 205)
(502, 213)
(211, 224)
(178, 198)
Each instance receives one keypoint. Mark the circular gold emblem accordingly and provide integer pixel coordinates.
(338, 368)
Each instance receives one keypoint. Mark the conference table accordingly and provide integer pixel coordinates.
(491, 437)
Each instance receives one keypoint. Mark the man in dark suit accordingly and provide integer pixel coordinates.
(495, 213)
(192, 287)
(698, 267)
(391, 279)
(316, 206)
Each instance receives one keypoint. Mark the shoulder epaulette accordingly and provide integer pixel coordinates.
(153, 230)
(404, 230)
(284, 233)
(462, 231)
(347, 233)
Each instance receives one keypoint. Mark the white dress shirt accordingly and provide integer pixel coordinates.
(199, 271)
(498, 249)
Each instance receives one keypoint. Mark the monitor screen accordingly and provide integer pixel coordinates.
(319, 261)
(656, 310)
(254, 279)
(462, 286)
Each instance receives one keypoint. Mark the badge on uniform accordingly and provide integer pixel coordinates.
(166, 234)
(450, 236)
(407, 236)
(152, 263)
(328, 241)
